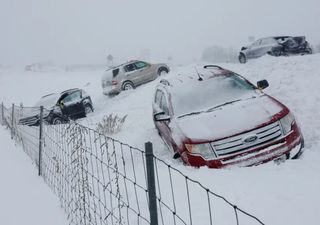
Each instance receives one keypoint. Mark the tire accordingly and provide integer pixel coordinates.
(163, 71)
(309, 51)
(88, 109)
(56, 121)
(242, 58)
(276, 52)
(128, 85)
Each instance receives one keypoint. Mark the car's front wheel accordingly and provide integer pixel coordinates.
(57, 120)
(242, 58)
(163, 71)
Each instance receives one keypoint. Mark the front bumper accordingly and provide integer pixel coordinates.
(290, 145)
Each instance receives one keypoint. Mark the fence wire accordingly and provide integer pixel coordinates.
(102, 181)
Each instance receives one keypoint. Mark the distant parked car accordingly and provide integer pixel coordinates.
(275, 46)
(131, 74)
(58, 108)
(217, 118)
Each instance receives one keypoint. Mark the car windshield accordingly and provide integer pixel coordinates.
(207, 95)
(48, 101)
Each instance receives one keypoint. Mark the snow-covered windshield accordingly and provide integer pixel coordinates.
(197, 96)
(48, 101)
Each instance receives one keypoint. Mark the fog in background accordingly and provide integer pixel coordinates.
(87, 31)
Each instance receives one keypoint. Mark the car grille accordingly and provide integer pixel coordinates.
(246, 141)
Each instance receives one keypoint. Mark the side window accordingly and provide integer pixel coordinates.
(130, 67)
(140, 65)
(74, 97)
(115, 72)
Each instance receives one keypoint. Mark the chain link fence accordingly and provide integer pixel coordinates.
(100, 180)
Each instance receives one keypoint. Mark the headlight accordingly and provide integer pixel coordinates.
(204, 150)
(286, 123)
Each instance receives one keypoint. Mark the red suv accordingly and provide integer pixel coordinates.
(214, 117)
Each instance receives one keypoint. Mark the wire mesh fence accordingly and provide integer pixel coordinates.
(100, 180)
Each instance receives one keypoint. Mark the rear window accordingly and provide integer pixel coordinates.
(115, 72)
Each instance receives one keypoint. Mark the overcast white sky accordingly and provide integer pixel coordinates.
(86, 31)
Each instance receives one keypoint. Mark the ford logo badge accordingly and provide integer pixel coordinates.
(250, 139)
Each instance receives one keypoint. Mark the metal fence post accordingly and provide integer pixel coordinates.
(40, 140)
(12, 121)
(2, 114)
(151, 184)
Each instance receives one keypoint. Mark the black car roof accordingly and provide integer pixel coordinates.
(70, 90)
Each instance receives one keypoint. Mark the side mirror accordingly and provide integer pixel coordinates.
(161, 116)
(243, 48)
(262, 84)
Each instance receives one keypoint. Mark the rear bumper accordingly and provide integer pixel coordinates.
(111, 90)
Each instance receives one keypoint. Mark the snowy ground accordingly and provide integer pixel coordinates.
(277, 194)
(25, 198)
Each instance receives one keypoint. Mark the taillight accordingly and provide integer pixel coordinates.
(114, 82)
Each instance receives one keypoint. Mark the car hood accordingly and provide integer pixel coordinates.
(230, 119)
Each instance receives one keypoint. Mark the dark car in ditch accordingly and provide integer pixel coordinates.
(58, 108)
(275, 46)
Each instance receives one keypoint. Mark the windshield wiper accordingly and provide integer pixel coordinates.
(226, 103)
(212, 109)
(189, 114)
(209, 110)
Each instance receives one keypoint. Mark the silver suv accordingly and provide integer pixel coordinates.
(129, 75)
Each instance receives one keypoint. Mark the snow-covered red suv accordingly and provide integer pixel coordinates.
(212, 116)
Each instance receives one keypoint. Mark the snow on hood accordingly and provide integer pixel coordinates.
(230, 119)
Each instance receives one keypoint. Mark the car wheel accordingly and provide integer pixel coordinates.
(242, 58)
(127, 85)
(88, 109)
(276, 52)
(309, 51)
(163, 71)
(56, 121)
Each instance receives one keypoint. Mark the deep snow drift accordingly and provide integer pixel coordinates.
(277, 194)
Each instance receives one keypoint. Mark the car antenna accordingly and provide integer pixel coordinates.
(200, 78)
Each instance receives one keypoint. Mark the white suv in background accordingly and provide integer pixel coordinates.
(129, 75)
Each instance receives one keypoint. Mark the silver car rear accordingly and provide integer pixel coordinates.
(130, 75)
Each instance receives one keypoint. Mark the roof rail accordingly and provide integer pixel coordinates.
(212, 66)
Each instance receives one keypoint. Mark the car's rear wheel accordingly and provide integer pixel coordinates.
(127, 85)
(276, 52)
(163, 71)
(242, 58)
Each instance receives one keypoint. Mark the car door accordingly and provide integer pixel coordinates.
(132, 74)
(145, 70)
(72, 105)
(161, 104)
(266, 46)
(254, 49)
